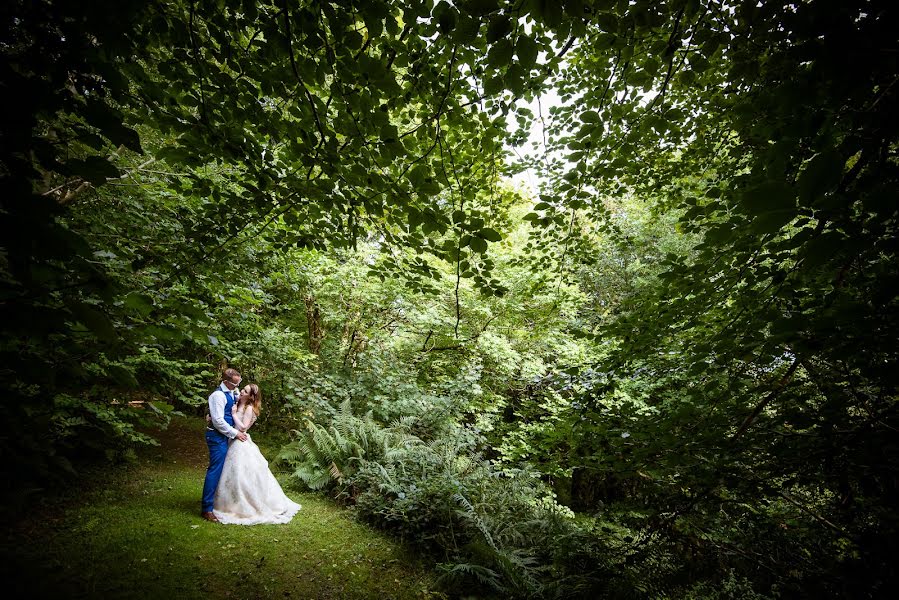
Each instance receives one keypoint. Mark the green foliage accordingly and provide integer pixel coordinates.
(490, 527)
(426, 493)
(324, 457)
(689, 333)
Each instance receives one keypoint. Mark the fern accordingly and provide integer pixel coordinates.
(323, 456)
(313, 477)
(453, 571)
(515, 565)
(335, 472)
(289, 454)
(471, 514)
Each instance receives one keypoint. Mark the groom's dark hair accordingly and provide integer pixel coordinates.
(229, 374)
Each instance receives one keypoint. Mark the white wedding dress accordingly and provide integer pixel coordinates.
(248, 493)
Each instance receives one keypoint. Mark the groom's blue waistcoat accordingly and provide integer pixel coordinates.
(229, 404)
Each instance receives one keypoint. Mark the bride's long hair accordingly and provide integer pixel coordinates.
(255, 399)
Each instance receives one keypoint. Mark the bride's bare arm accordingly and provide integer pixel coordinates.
(238, 421)
(244, 417)
(249, 417)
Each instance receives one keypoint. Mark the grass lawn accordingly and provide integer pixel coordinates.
(135, 532)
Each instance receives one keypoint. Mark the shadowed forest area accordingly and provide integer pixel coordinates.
(572, 299)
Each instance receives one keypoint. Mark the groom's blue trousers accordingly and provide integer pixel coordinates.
(218, 449)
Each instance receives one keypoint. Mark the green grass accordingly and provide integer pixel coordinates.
(136, 533)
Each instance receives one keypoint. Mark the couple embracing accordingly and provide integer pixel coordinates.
(239, 486)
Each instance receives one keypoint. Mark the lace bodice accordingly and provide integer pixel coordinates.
(243, 417)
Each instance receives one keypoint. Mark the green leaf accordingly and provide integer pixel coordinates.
(515, 79)
(499, 27)
(161, 407)
(142, 303)
(478, 245)
(527, 51)
(174, 154)
(110, 123)
(95, 320)
(773, 221)
(500, 55)
(389, 133)
(771, 196)
(374, 22)
(429, 187)
(446, 16)
(493, 85)
(467, 30)
(489, 234)
(474, 224)
(822, 249)
(719, 234)
(418, 174)
(352, 40)
(122, 376)
(821, 175)
(93, 169)
(478, 8)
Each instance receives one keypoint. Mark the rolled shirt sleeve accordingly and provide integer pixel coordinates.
(217, 403)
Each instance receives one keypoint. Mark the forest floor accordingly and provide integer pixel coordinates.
(134, 531)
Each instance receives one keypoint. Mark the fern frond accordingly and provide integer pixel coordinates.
(403, 424)
(472, 515)
(290, 453)
(483, 574)
(335, 472)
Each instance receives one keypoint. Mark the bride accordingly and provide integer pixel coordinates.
(248, 493)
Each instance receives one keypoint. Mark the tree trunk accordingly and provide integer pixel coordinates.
(314, 322)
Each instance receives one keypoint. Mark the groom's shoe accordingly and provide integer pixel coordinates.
(210, 516)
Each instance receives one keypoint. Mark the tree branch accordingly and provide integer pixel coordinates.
(296, 72)
(767, 400)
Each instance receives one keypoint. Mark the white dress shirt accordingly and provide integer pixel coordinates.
(217, 403)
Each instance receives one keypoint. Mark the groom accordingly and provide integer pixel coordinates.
(219, 430)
